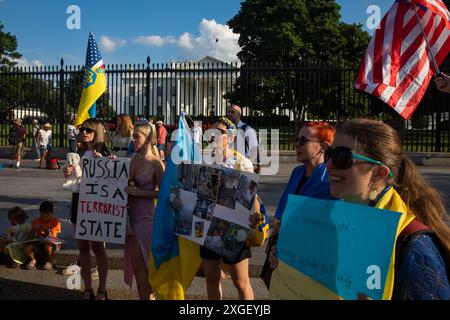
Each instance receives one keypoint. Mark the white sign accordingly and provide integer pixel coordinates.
(102, 207)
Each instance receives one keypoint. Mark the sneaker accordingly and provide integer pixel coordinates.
(73, 268)
(31, 265)
(37, 159)
(47, 266)
(10, 165)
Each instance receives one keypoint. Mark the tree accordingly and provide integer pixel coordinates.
(8, 49)
(293, 35)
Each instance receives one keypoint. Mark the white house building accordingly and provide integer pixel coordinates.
(197, 87)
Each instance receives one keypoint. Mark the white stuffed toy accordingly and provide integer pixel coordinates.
(73, 181)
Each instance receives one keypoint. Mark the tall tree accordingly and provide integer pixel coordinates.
(8, 49)
(286, 32)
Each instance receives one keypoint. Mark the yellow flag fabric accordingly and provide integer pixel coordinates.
(94, 82)
(393, 202)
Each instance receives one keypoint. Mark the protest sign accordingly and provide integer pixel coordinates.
(333, 250)
(102, 206)
(216, 203)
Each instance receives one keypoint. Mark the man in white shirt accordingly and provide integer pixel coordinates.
(246, 138)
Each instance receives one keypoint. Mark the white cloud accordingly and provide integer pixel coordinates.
(156, 41)
(195, 46)
(109, 45)
(23, 62)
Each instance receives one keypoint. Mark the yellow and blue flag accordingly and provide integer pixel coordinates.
(94, 82)
(174, 261)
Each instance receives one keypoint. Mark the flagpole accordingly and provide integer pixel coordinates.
(428, 43)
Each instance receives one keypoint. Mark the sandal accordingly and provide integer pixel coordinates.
(103, 293)
(88, 295)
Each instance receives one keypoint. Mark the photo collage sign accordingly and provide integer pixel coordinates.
(216, 205)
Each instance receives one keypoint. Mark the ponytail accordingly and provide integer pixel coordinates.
(380, 141)
(426, 203)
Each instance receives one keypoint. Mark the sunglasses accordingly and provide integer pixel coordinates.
(302, 141)
(87, 130)
(343, 158)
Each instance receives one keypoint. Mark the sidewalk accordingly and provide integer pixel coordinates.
(16, 284)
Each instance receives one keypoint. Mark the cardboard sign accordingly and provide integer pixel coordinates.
(216, 205)
(333, 250)
(102, 206)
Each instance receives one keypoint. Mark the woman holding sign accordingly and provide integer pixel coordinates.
(92, 141)
(309, 179)
(366, 165)
(211, 261)
(146, 171)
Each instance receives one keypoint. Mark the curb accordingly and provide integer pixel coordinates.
(115, 262)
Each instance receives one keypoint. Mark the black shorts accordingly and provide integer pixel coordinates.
(207, 254)
(74, 207)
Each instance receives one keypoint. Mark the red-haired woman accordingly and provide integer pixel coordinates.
(309, 179)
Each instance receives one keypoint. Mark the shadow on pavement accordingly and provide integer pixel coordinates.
(17, 290)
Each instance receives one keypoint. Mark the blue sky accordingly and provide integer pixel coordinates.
(129, 31)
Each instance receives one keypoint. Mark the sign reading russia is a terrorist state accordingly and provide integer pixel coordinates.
(102, 206)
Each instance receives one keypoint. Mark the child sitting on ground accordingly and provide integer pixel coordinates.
(17, 232)
(46, 227)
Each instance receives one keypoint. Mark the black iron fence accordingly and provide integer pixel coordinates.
(272, 96)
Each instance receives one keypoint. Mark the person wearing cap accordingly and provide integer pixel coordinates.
(35, 145)
(44, 138)
(246, 141)
(162, 135)
(16, 139)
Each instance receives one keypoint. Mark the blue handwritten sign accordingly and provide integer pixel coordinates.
(338, 244)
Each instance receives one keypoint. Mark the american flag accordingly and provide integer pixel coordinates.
(397, 67)
(93, 57)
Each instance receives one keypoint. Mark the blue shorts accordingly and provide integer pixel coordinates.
(161, 147)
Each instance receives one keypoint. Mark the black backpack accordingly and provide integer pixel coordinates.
(13, 136)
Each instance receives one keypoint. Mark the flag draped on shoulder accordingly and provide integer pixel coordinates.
(94, 82)
(174, 261)
(398, 65)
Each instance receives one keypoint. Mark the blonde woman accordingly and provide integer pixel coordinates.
(146, 171)
(92, 141)
(121, 138)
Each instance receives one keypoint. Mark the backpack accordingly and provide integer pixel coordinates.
(13, 136)
(414, 229)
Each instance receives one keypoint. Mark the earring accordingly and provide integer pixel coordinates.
(373, 194)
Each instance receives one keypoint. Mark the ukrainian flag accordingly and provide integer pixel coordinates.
(174, 261)
(94, 82)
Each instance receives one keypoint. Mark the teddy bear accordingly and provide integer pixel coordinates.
(73, 181)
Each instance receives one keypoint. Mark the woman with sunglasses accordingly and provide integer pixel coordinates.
(366, 165)
(91, 139)
(309, 179)
(146, 171)
(211, 261)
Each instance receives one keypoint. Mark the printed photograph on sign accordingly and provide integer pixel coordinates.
(183, 218)
(246, 192)
(234, 240)
(187, 177)
(199, 229)
(204, 208)
(229, 182)
(208, 182)
(216, 234)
